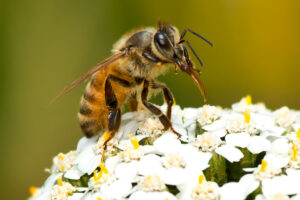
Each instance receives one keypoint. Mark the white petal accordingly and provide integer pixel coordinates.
(111, 163)
(117, 189)
(84, 142)
(280, 147)
(293, 177)
(126, 129)
(249, 184)
(297, 197)
(238, 139)
(231, 153)
(47, 187)
(231, 191)
(275, 185)
(88, 161)
(149, 149)
(249, 169)
(262, 121)
(296, 126)
(76, 196)
(167, 143)
(216, 125)
(140, 195)
(74, 173)
(127, 171)
(219, 133)
(276, 130)
(150, 164)
(180, 129)
(190, 116)
(277, 161)
(191, 129)
(174, 176)
(260, 197)
(259, 144)
(196, 161)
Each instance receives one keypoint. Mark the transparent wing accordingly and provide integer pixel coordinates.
(89, 73)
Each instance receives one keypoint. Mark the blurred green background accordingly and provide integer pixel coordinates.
(44, 45)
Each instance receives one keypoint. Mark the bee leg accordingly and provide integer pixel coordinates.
(114, 121)
(162, 118)
(133, 104)
(114, 115)
(167, 95)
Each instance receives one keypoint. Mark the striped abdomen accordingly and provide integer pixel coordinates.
(93, 112)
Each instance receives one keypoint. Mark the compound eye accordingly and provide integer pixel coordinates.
(162, 40)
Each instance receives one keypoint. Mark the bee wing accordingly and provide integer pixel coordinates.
(89, 73)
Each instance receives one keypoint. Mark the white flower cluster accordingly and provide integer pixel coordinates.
(248, 152)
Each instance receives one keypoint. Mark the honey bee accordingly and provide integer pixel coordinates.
(128, 75)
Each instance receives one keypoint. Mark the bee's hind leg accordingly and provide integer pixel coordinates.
(133, 103)
(114, 121)
(162, 118)
(114, 115)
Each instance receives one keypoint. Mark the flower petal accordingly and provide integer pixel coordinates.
(117, 189)
(127, 171)
(167, 143)
(232, 191)
(174, 176)
(84, 142)
(216, 125)
(238, 139)
(259, 144)
(229, 152)
(140, 195)
(111, 163)
(74, 173)
(76, 196)
(280, 147)
(88, 161)
(249, 184)
(150, 164)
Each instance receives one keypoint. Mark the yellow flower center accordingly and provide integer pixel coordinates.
(249, 100)
(295, 151)
(32, 190)
(298, 133)
(263, 165)
(247, 116)
(134, 142)
(103, 168)
(99, 198)
(61, 156)
(59, 181)
(97, 176)
(201, 178)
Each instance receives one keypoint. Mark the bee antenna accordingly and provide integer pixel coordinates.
(197, 34)
(194, 52)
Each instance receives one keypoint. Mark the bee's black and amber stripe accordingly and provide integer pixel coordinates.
(95, 103)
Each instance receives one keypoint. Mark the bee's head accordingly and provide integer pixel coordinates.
(168, 44)
(166, 41)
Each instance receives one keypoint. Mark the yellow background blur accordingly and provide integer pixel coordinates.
(44, 45)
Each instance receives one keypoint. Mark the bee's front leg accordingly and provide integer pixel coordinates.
(162, 118)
